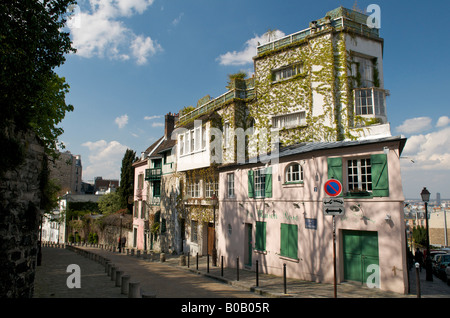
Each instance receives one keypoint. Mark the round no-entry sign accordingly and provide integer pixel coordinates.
(333, 188)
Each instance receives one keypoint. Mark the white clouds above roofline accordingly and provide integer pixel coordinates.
(101, 32)
(245, 56)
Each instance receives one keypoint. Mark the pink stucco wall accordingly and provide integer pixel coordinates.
(293, 204)
(138, 222)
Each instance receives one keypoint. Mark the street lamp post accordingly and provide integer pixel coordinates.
(214, 251)
(425, 194)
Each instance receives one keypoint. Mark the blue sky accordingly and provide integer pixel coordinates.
(137, 60)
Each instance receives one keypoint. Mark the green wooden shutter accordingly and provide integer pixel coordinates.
(268, 183)
(284, 247)
(289, 240)
(293, 239)
(380, 176)
(335, 170)
(260, 236)
(250, 184)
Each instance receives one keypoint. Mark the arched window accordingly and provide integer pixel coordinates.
(294, 173)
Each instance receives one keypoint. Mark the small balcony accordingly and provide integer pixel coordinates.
(154, 201)
(153, 174)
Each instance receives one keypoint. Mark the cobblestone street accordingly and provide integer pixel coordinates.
(170, 280)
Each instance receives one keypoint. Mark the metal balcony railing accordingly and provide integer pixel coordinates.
(339, 18)
(239, 93)
(153, 174)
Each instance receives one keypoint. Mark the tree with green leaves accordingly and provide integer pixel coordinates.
(32, 95)
(110, 203)
(126, 187)
(419, 234)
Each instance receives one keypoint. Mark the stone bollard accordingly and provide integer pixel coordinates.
(182, 260)
(110, 266)
(146, 294)
(125, 284)
(113, 273)
(107, 266)
(144, 254)
(134, 290)
(119, 275)
(138, 253)
(132, 252)
(162, 257)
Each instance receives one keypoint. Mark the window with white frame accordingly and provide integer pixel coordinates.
(181, 143)
(359, 173)
(260, 183)
(370, 102)
(287, 72)
(230, 185)
(194, 231)
(204, 138)
(198, 138)
(193, 189)
(294, 173)
(211, 187)
(362, 69)
(289, 120)
(192, 140)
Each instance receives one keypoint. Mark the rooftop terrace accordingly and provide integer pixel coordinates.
(339, 18)
(244, 91)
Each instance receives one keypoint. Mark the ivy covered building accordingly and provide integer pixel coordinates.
(318, 113)
(249, 166)
(324, 83)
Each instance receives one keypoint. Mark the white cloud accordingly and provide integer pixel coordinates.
(158, 125)
(101, 32)
(429, 152)
(143, 47)
(177, 20)
(426, 162)
(151, 117)
(443, 121)
(104, 159)
(415, 125)
(245, 56)
(122, 121)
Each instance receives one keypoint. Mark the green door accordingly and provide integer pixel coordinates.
(360, 251)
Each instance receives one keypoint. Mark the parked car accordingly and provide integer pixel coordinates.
(442, 262)
(447, 273)
(433, 255)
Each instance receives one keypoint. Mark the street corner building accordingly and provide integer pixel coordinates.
(275, 214)
(243, 175)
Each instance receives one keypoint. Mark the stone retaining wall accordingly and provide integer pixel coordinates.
(20, 197)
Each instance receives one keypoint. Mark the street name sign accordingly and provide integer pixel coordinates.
(333, 206)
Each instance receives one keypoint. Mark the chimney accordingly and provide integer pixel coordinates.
(169, 125)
